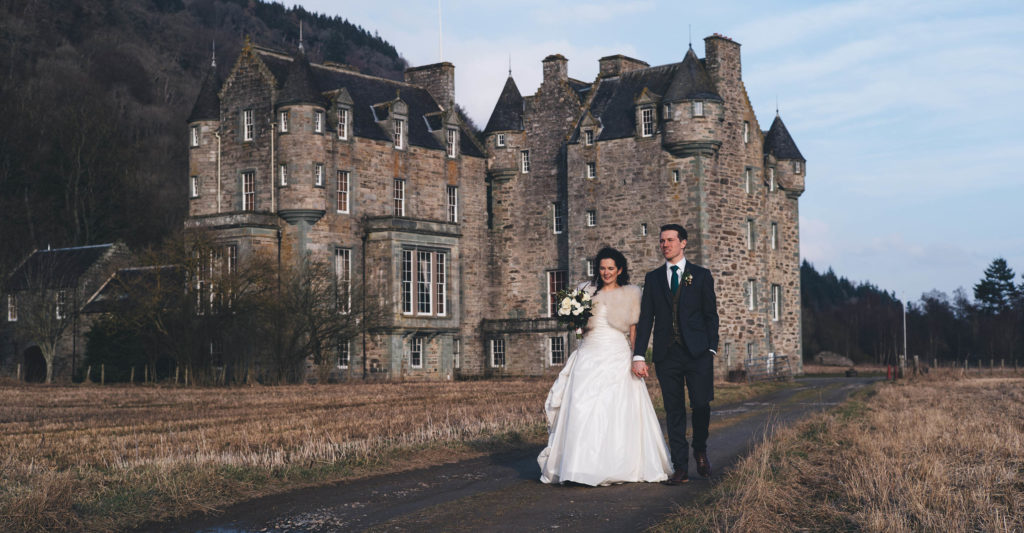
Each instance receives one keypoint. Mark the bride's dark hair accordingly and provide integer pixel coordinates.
(620, 262)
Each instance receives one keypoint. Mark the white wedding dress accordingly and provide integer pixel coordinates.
(602, 426)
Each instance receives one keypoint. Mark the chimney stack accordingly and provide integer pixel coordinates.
(438, 80)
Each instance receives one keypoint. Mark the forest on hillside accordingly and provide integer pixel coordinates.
(95, 94)
(865, 323)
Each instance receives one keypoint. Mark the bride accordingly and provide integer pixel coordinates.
(601, 423)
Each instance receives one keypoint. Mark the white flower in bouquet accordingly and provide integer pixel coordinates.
(585, 297)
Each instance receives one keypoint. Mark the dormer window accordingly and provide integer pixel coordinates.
(282, 121)
(647, 122)
(796, 167)
(194, 136)
(343, 124)
(248, 125)
(399, 135)
(591, 170)
(588, 137)
(698, 109)
(499, 140)
(318, 121)
(453, 142)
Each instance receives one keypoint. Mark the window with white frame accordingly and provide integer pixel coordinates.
(318, 174)
(499, 140)
(318, 121)
(746, 132)
(453, 204)
(591, 170)
(556, 351)
(588, 137)
(775, 236)
(452, 136)
(194, 136)
(457, 353)
(557, 221)
(524, 161)
(590, 268)
(194, 186)
(344, 353)
(556, 282)
(399, 134)
(343, 278)
(643, 230)
(591, 218)
(497, 353)
(342, 191)
(748, 180)
(771, 179)
(698, 108)
(249, 191)
(416, 352)
(750, 234)
(12, 308)
(675, 176)
(647, 122)
(282, 174)
(231, 253)
(399, 197)
(248, 125)
(667, 115)
(343, 123)
(750, 350)
(61, 307)
(796, 167)
(282, 121)
(751, 294)
(424, 287)
(776, 302)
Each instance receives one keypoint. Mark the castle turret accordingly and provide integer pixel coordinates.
(302, 125)
(203, 155)
(503, 136)
(789, 164)
(692, 110)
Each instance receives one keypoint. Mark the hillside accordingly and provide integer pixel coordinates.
(95, 94)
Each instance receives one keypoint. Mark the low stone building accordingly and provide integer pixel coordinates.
(463, 242)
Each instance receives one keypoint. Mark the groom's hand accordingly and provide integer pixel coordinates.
(640, 369)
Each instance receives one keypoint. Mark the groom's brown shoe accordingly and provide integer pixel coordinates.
(677, 478)
(703, 465)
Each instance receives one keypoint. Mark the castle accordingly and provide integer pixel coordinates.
(464, 241)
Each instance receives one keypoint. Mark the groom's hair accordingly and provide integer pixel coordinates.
(679, 229)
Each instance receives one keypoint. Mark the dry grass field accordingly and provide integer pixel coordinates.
(939, 453)
(107, 458)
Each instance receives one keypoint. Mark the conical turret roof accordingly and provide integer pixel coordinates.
(508, 112)
(691, 81)
(779, 143)
(299, 86)
(207, 106)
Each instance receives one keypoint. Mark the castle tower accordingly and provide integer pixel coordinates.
(692, 110)
(504, 138)
(301, 152)
(204, 185)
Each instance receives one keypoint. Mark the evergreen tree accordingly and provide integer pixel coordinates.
(996, 292)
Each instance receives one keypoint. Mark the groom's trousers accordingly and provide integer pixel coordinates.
(679, 369)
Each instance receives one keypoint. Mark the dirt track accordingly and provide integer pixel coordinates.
(501, 492)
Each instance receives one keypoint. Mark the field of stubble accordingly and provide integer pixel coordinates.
(940, 453)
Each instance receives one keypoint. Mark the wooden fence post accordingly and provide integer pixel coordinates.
(88, 374)
(131, 380)
(103, 374)
(186, 376)
(19, 371)
(146, 371)
(176, 368)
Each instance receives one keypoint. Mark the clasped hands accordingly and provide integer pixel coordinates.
(640, 369)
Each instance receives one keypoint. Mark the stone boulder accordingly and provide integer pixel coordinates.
(832, 359)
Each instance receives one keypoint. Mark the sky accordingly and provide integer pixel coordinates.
(909, 113)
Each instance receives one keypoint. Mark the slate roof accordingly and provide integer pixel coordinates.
(779, 143)
(299, 86)
(368, 91)
(207, 106)
(121, 285)
(691, 81)
(508, 111)
(615, 100)
(55, 269)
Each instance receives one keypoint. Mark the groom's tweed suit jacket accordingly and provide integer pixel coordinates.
(690, 315)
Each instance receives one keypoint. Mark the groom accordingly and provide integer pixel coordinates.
(679, 303)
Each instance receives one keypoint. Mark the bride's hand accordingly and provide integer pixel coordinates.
(640, 369)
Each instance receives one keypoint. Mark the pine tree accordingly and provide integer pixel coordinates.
(996, 292)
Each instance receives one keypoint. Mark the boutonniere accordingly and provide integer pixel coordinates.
(687, 278)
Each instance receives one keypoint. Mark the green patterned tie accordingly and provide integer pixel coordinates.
(675, 279)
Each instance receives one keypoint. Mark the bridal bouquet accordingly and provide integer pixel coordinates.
(574, 309)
